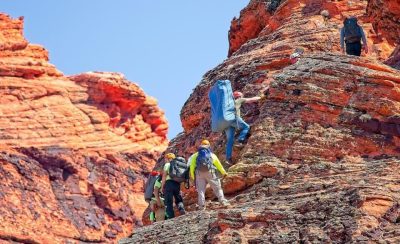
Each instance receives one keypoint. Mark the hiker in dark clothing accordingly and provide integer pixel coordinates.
(352, 34)
(171, 189)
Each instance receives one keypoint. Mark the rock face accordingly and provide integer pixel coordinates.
(322, 162)
(385, 16)
(74, 150)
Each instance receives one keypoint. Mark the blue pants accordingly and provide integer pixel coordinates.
(230, 135)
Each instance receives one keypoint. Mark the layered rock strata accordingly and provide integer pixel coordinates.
(385, 16)
(321, 164)
(74, 150)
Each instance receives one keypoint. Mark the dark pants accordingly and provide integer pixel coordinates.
(172, 190)
(353, 48)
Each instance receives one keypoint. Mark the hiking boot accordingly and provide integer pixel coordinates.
(225, 203)
(240, 143)
(228, 162)
(182, 211)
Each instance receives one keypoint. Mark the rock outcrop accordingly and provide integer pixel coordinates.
(74, 151)
(385, 16)
(322, 162)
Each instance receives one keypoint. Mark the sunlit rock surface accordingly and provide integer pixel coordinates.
(74, 151)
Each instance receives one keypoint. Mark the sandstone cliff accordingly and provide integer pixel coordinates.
(322, 163)
(74, 151)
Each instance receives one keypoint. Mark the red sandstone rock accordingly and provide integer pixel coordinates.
(74, 150)
(385, 16)
(322, 162)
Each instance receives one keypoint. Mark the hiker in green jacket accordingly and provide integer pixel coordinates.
(205, 168)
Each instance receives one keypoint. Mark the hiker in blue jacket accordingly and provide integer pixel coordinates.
(352, 34)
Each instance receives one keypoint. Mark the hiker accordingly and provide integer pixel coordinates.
(352, 34)
(171, 186)
(225, 114)
(238, 124)
(157, 201)
(205, 167)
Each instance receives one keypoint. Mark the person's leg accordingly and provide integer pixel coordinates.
(201, 185)
(178, 197)
(230, 137)
(152, 213)
(215, 184)
(169, 199)
(357, 48)
(349, 49)
(160, 214)
(244, 127)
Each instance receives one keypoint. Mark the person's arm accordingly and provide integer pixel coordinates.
(252, 99)
(156, 193)
(193, 159)
(342, 39)
(364, 40)
(164, 177)
(218, 164)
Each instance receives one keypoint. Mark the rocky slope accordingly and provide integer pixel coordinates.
(385, 16)
(322, 163)
(74, 151)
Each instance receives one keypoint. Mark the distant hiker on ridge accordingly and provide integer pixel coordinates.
(352, 34)
(205, 168)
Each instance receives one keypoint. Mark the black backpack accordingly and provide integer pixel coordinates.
(149, 187)
(352, 31)
(178, 170)
(204, 160)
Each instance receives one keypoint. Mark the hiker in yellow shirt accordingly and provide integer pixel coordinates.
(205, 167)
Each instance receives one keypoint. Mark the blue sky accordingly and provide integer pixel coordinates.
(164, 46)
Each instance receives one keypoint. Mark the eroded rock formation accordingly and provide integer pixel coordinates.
(385, 16)
(322, 162)
(74, 151)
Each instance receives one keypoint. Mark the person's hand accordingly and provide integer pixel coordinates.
(159, 204)
(366, 48)
(342, 49)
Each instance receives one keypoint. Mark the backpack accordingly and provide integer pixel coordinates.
(178, 170)
(204, 160)
(352, 31)
(149, 187)
(222, 105)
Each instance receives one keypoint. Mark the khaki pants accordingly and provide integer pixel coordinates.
(202, 178)
(159, 212)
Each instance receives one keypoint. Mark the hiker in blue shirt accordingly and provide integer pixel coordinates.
(352, 34)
